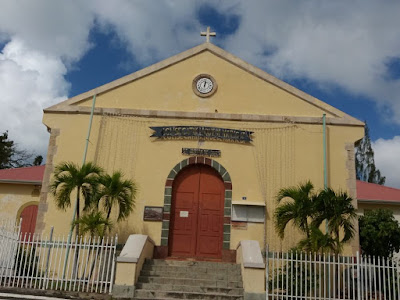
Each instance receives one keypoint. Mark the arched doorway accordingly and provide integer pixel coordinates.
(29, 215)
(197, 213)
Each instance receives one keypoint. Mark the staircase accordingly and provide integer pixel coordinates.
(172, 279)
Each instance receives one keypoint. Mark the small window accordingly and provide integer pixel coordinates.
(248, 213)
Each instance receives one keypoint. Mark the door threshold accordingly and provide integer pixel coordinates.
(193, 258)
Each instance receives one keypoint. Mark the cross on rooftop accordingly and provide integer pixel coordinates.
(207, 34)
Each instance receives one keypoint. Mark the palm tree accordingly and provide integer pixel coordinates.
(116, 192)
(337, 209)
(318, 241)
(69, 177)
(93, 223)
(298, 210)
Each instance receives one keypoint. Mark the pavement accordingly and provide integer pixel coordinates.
(11, 296)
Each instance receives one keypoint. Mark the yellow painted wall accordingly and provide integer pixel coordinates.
(291, 154)
(15, 197)
(363, 207)
(281, 155)
(238, 91)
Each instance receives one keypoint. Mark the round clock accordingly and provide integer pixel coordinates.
(204, 85)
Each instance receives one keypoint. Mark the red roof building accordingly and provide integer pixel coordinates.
(375, 193)
(27, 175)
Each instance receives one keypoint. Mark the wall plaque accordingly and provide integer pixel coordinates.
(202, 133)
(184, 214)
(201, 152)
(153, 213)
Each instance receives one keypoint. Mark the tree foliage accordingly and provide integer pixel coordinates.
(337, 210)
(93, 223)
(13, 157)
(69, 178)
(298, 211)
(99, 191)
(379, 233)
(116, 192)
(38, 160)
(10, 155)
(365, 162)
(308, 211)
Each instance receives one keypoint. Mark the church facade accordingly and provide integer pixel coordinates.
(209, 140)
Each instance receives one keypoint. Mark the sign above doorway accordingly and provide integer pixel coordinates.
(201, 152)
(202, 133)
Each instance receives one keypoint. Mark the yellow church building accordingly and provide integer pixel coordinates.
(209, 140)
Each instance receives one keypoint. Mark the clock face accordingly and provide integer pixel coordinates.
(204, 85)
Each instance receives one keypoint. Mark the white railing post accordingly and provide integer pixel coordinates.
(48, 257)
(113, 263)
(266, 272)
(358, 276)
(32, 261)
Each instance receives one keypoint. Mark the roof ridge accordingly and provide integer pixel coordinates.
(19, 168)
(380, 185)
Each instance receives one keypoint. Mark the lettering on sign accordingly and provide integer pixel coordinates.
(202, 133)
(184, 214)
(201, 152)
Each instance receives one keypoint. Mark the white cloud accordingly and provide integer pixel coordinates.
(345, 43)
(29, 81)
(387, 159)
(42, 39)
(151, 30)
(54, 28)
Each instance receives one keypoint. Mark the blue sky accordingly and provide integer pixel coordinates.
(344, 53)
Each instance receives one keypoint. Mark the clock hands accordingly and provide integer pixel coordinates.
(203, 85)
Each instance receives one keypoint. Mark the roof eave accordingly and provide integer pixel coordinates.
(368, 201)
(206, 116)
(26, 182)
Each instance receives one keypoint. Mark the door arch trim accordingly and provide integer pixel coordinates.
(22, 207)
(227, 202)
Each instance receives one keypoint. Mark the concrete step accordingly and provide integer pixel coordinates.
(198, 269)
(211, 274)
(154, 294)
(191, 282)
(174, 279)
(190, 288)
(189, 263)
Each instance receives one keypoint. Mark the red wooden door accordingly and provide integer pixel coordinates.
(197, 213)
(28, 216)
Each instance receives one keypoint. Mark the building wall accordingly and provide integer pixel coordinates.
(363, 207)
(282, 154)
(15, 197)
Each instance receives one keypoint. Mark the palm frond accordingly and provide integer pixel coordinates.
(283, 215)
(298, 208)
(68, 176)
(117, 192)
(93, 223)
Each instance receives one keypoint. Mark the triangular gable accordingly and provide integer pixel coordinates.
(335, 116)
